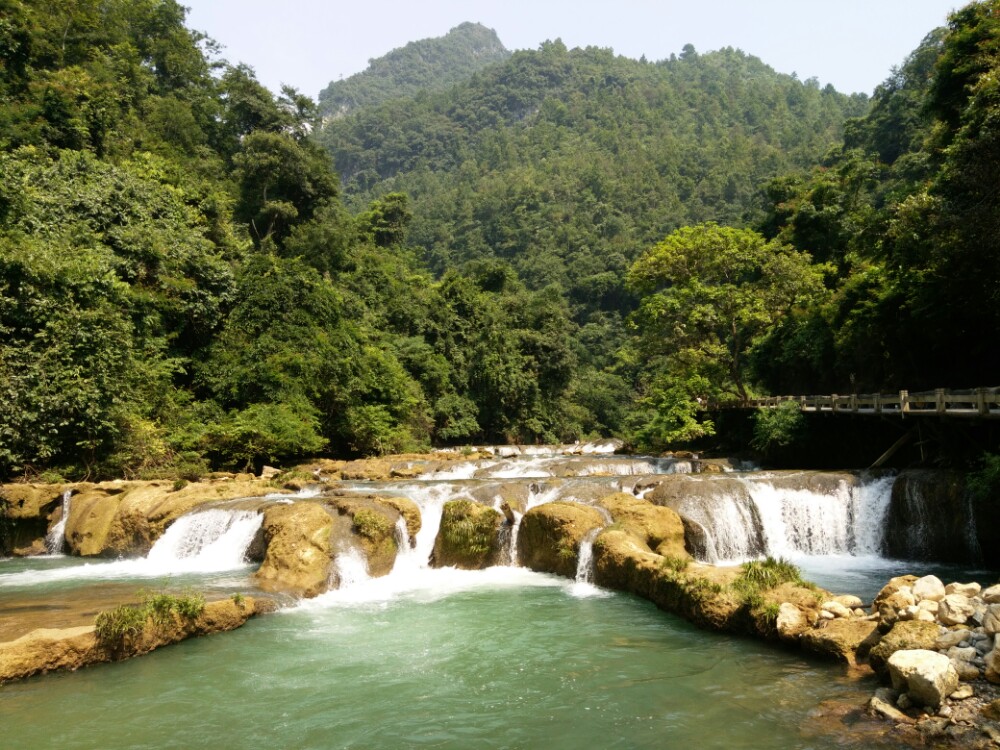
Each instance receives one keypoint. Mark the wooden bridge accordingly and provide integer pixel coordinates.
(977, 403)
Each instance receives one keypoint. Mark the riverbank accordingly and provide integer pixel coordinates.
(328, 529)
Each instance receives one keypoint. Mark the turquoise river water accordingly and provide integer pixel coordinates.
(503, 658)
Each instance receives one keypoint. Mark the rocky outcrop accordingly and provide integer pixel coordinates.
(659, 528)
(699, 501)
(550, 535)
(299, 549)
(48, 650)
(368, 524)
(839, 639)
(116, 519)
(469, 536)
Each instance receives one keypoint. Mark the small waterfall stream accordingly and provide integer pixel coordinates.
(55, 540)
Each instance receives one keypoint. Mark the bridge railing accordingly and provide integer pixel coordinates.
(973, 402)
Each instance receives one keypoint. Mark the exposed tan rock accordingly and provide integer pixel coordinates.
(660, 528)
(550, 536)
(299, 549)
(791, 622)
(47, 650)
(468, 537)
(114, 519)
(926, 676)
(839, 639)
(410, 512)
(914, 634)
(894, 585)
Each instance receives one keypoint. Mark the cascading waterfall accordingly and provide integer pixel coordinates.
(788, 522)
(55, 540)
(536, 496)
(351, 568)
(207, 540)
(585, 557)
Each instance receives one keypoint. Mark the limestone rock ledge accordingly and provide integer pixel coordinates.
(47, 650)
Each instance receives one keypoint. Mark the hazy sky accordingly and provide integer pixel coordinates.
(852, 44)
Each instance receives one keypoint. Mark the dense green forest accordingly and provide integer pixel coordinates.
(563, 244)
(425, 65)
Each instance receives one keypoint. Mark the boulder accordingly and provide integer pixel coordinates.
(991, 619)
(550, 536)
(367, 524)
(849, 600)
(968, 590)
(992, 670)
(410, 512)
(468, 537)
(791, 622)
(991, 595)
(913, 634)
(659, 527)
(955, 609)
(926, 676)
(951, 638)
(839, 638)
(928, 587)
(836, 609)
(299, 549)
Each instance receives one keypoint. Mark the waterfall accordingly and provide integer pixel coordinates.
(55, 540)
(351, 568)
(585, 557)
(767, 516)
(207, 540)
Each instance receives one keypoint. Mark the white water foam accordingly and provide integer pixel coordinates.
(583, 586)
(207, 541)
(352, 568)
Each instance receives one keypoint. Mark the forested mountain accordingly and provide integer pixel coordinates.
(181, 288)
(565, 244)
(566, 165)
(425, 65)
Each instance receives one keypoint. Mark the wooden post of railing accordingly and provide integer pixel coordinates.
(833, 403)
(981, 406)
(877, 402)
(904, 403)
(854, 402)
(939, 402)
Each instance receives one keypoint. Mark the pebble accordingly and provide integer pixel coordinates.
(963, 692)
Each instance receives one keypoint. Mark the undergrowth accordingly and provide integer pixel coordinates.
(115, 627)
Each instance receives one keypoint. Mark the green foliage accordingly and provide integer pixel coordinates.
(766, 574)
(708, 293)
(984, 483)
(906, 209)
(778, 427)
(372, 525)
(117, 627)
(675, 564)
(468, 528)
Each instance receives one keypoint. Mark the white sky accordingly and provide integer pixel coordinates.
(852, 44)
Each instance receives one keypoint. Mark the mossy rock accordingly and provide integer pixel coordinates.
(550, 536)
(299, 549)
(660, 528)
(469, 536)
(369, 524)
(904, 635)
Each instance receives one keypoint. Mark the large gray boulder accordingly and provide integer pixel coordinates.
(926, 676)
